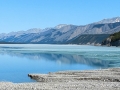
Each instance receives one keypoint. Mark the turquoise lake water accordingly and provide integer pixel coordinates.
(18, 60)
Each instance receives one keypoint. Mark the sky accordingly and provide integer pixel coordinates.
(17, 15)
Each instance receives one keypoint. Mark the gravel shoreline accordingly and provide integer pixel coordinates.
(104, 79)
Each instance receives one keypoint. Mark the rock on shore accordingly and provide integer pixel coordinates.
(105, 79)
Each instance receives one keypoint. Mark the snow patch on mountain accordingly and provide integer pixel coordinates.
(60, 26)
(109, 20)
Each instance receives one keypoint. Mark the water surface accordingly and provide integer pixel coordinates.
(18, 60)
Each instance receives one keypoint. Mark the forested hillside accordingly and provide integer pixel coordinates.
(112, 40)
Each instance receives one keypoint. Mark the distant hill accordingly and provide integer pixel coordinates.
(64, 33)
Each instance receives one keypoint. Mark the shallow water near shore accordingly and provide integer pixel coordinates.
(18, 60)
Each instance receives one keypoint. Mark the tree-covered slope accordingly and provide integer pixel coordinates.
(112, 40)
(115, 37)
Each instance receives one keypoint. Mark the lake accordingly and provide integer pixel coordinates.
(18, 60)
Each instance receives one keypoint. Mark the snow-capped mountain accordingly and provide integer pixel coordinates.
(34, 30)
(62, 33)
(60, 26)
(110, 20)
(11, 37)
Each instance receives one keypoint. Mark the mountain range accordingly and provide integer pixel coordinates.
(63, 33)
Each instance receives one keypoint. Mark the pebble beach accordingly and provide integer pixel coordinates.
(104, 79)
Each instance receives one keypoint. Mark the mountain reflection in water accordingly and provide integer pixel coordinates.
(18, 60)
(61, 58)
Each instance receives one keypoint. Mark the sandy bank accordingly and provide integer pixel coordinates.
(106, 79)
